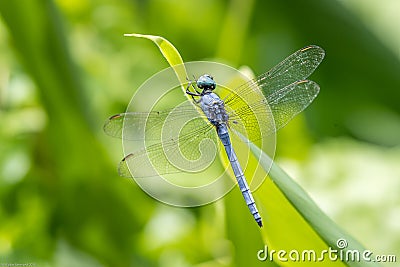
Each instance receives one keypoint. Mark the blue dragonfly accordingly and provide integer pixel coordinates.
(277, 95)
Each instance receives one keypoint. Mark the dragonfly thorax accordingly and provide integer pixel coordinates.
(214, 109)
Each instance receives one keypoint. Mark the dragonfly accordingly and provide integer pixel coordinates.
(277, 95)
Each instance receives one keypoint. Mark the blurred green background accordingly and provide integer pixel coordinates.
(65, 67)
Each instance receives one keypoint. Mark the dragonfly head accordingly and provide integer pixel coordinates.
(206, 82)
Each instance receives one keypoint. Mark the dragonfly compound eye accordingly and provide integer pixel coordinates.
(206, 81)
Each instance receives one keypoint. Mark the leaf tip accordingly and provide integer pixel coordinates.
(132, 35)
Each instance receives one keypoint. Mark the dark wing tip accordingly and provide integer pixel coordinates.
(113, 125)
(123, 169)
(127, 157)
(115, 116)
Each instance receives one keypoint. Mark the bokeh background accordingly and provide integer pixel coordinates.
(65, 67)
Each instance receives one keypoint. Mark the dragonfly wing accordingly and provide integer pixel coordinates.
(267, 115)
(249, 113)
(289, 101)
(261, 106)
(193, 150)
(296, 67)
(147, 125)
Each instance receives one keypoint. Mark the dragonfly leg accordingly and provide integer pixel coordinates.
(194, 88)
(192, 94)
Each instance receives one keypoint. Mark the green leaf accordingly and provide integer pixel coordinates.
(170, 53)
(294, 221)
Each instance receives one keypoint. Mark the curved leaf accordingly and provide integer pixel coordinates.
(322, 232)
(170, 53)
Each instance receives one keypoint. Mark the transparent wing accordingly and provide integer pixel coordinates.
(141, 125)
(298, 66)
(192, 151)
(283, 88)
(291, 100)
(175, 140)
